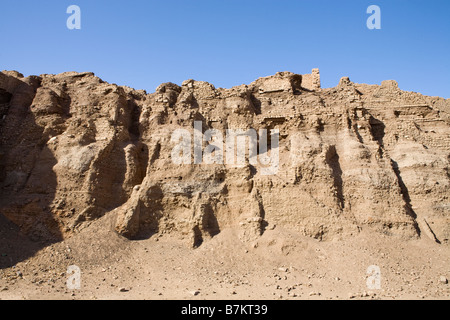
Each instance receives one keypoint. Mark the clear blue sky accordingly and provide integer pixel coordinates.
(230, 42)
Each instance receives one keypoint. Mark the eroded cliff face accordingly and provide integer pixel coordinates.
(74, 148)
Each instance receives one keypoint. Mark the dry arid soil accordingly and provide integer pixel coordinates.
(358, 178)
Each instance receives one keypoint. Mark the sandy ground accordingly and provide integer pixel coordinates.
(280, 265)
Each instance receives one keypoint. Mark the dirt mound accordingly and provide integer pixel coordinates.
(326, 163)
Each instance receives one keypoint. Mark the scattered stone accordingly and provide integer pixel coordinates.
(194, 293)
(443, 280)
(52, 140)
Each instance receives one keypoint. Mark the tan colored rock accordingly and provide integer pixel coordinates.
(73, 148)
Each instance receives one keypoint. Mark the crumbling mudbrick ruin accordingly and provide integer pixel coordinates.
(74, 148)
